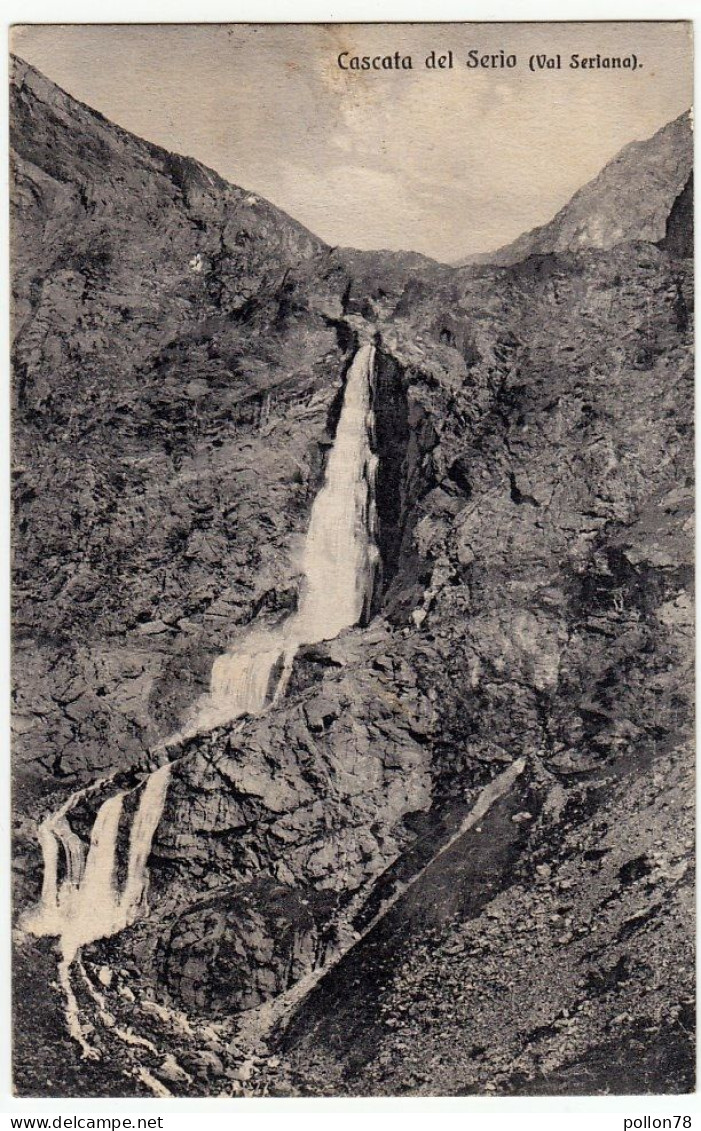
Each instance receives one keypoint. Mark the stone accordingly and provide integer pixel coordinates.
(320, 713)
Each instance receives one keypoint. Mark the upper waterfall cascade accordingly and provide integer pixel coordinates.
(338, 568)
(338, 565)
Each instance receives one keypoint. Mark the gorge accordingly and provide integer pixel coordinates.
(352, 653)
(338, 565)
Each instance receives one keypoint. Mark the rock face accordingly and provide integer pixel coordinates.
(180, 409)
(448, 993)
(182, 381)
(630, 199)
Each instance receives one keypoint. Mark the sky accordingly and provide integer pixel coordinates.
(448, 163)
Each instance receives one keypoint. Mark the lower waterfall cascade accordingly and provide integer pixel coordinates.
(87, 904)
(338, 568)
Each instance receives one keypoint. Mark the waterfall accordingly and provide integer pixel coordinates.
(338, 569)
(339, 552)
(56, 837)
(87, 904)
(338, 566)
(89, 908)
(240, 680)
(143, 828)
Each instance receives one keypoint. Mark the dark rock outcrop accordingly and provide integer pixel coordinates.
(679, 230)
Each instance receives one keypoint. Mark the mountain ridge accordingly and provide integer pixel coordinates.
(44, 89)
(646, 201)
(630, 197)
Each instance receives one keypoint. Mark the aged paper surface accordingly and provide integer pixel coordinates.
(353, 562)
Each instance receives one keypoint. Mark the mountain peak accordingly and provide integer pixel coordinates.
(630, 199)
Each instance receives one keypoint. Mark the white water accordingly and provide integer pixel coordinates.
(338, 567)
(143, 828)
(241, 679)
(339, 552)
(88, 903)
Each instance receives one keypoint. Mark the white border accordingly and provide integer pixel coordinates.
(526, 1114)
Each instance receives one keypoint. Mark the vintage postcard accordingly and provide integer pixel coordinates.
(353, 559)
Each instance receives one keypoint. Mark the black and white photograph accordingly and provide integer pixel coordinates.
(352, 560)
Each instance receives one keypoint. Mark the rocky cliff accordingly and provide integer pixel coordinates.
(630, 199)
(335, 907)
(149, 316)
